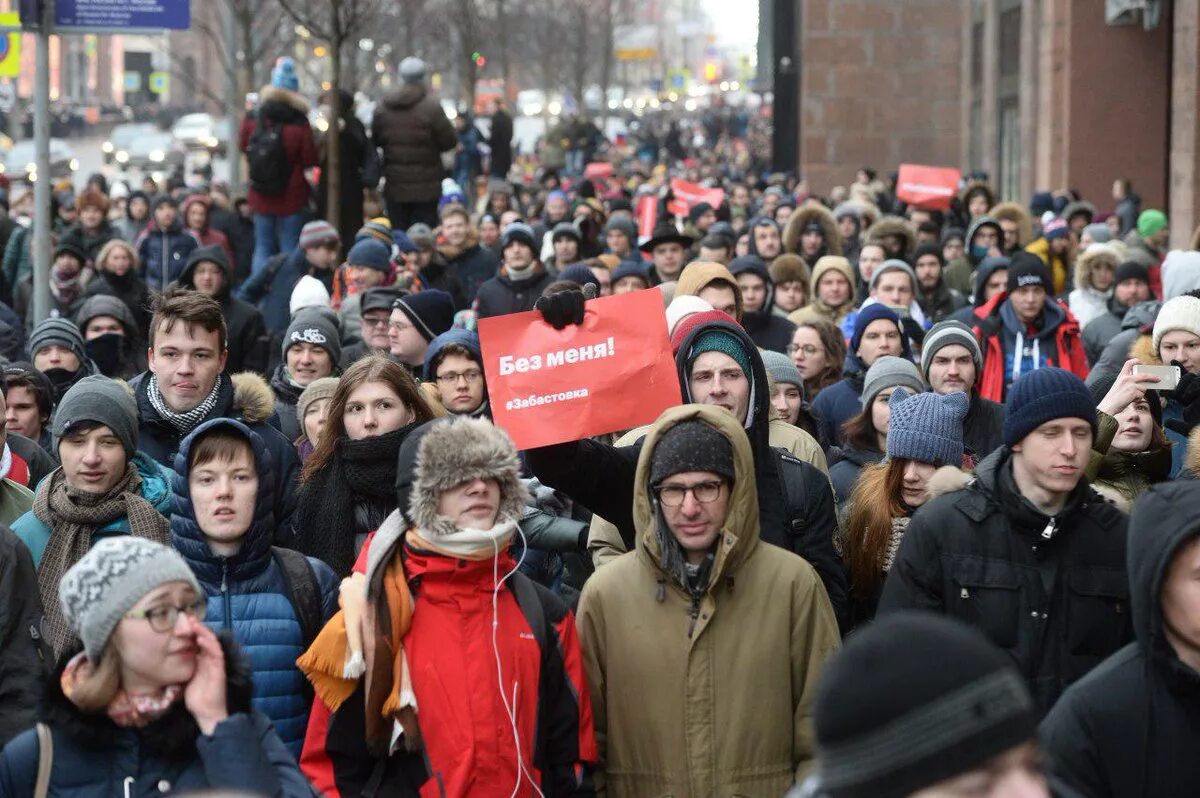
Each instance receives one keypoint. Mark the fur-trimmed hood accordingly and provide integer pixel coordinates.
(812, 211)
(892, 225)
(291, 99)
(1015, 212)
(252, 397)
(456, 450)
(1191, 460)
(1087, 261)
(947, 479)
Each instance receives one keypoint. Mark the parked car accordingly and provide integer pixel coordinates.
(116, 147)
(202, 132)
(155, 151)
(21, 162)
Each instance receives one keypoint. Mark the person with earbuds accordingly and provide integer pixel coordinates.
(464, 675)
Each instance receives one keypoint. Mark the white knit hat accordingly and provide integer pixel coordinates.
(1180, 313)
(683, 306)
(308, 293)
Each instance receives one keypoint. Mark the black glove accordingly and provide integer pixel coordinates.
(561, 309)
(1187, 394)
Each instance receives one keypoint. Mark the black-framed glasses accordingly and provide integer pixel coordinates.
(452, 377)
(808, 349)
(381, 321)
(705, 493)
(163, 619)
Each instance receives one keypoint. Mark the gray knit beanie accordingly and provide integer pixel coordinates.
(98, 590)
(102, 401)
(893, 265)
(781, 369)
(945, 333)
(317, 390)
(57, 331)
(890, 372)
(312, 328)
(927, 427)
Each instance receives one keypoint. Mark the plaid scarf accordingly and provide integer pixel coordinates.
(73, 517)
(183, 422)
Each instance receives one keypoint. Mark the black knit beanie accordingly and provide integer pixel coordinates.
(912, 700)
(691, 446)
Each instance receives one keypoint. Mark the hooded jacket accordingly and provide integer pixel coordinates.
(156, 489)
(958, 272)
(892, 226)
(1122, 476)
(1059, 268)
(207, 236)
(130, 289)
(698, 274)
(1129, 728)
(816, 308)
(1058, 605)
(117, 357)
(247, 339)
(246, 398)
(248, 594)
(1014, 212)
(502, 295)
(812, 212)
(95, 758)
(162, 254)
(288, 109)
(795, 499)
(413, 132)
(1001, 335)
(725, 677)
(127, 227)
(767, 328)
(89, 243)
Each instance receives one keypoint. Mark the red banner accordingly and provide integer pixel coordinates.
(598, 170)
(647, 216)
(930, 187)
(613, 372)
(688, 194)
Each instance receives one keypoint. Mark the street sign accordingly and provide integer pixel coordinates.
(110, 14)
(10, 46)
(133, 81)
(158, 82)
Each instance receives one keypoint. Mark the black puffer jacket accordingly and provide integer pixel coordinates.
(413, 132)
(1132, 726)
(501, 295)
(601, 478)
(1058, 604)
(983, 428)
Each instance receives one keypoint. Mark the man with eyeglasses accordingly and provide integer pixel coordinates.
(416, 320)
(723, 635)
(454, 363)
(376, 318)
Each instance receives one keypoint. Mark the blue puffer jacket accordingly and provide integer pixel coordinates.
(248, 592)
(164, 253)
(156, 489)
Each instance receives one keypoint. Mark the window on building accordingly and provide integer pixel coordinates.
(1010, 41)
(1010, 148)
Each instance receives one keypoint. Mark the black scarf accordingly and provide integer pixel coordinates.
(350, 496)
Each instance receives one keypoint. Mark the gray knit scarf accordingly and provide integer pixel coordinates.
(183, 422)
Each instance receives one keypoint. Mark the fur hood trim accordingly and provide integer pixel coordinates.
(284, 96)
(812, 211)
(252, 397)
(947, 479)
(1113, 496)
(455, 451)
(1015, 212)
(892, 225)
(1143, 350)
(1087, 261)
(1191, 462)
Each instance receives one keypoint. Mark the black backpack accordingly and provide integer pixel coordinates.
(270, 170)
(303, 591)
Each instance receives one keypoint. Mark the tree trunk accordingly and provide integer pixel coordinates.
(333, 141)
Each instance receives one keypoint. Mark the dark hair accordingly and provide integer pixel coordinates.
(373, 368)
(929, 227)
(192, 308)
(21, 377)
(834, 345)
(454, 209)
(859, 431)
(221, 444)
(716, 242)
(447, 351)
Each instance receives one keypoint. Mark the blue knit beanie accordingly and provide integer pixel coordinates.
(871, 313)
(724, 342)
(371, 253)
(927, 427)
(403, 243)
(283, 76)
(580, 274)
(1044, 395)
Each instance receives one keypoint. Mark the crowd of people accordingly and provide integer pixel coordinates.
(919, 525)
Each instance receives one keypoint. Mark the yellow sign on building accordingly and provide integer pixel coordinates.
(10, 46)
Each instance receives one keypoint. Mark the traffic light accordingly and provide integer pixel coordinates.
(478, 58)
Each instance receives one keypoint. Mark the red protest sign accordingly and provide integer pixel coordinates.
(647, 216)
(613, 372)
(597, 170)
(931, 187)
(688, 195)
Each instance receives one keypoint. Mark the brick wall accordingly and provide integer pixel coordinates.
(880, 84)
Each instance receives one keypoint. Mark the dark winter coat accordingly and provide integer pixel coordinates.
(838, 403)
(1117, 351)
(1131, 727)
(95, 758)
(601, 478)
(769, 330)
(437, 274)
(500, 295)
(248, 594)
(938, 305)
(353, 145)
(500, 140)
(983, 427)
(89, 244)
(246, 398)
(1058, 605)
(473, 265)
(287, 394)
(843, 473)
(239, 232)
(247, 340)
(163, 253)
(130, 289)
(412, 131)
(21, 666)
(1100, 330)
(282, 107)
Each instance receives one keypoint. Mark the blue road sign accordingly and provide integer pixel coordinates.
(115, 14)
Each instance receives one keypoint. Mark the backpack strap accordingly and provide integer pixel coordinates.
(531, 606)
(303, 591)
(45, 761)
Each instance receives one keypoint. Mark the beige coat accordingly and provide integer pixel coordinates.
(604, 541)
(719, 704)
